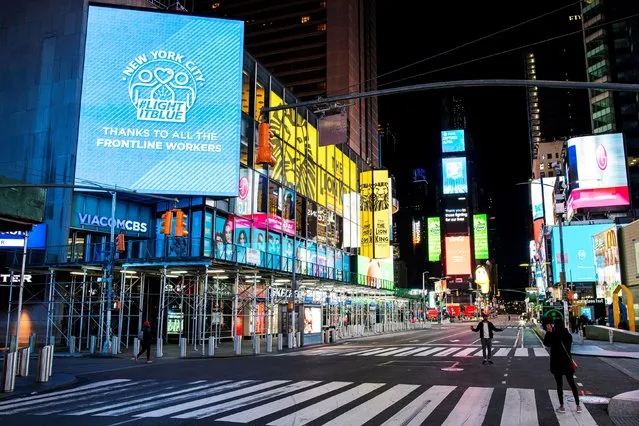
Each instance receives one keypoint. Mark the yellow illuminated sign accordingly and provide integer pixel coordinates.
(375, 214)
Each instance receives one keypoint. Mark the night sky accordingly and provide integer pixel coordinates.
(497, 117)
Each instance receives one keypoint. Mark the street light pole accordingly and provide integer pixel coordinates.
(424, 294)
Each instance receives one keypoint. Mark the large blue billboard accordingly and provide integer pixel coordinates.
(579, 254)
(455, 176)
(161, 102)
(453, 141)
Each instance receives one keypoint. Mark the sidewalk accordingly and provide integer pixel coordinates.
(28, 385)
(603, 349)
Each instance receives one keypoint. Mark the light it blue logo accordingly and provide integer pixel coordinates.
(163, 86)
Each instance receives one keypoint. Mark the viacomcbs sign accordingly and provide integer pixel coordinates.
(103, 221)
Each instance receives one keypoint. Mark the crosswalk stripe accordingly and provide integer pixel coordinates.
(466, 352)
(365, 351)
(480, 353)
(447, 352)
(520, 408)
(540, 351)
(260, 411)
(521, 352)
(251, 399)
(419, 409)
(396, 351)
(502, 352)
(428, 351)
(209, 400)
(411, 352)
(163, 399)
(471, 408)
(53, 399)
(100, 384)
(315, 411)
(379, 351)
(366, 411)
(570, 417)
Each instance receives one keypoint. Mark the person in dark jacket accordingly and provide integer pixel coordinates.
(559, 340)
(145, 342)
(486, 329)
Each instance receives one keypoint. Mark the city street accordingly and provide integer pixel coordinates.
(432, 376)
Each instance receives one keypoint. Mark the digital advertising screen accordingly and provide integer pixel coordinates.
(453, 141)
(377, 273)
(454, 175)
(545, 200)
(597, 172)
(457, 255)
(480, 232)
(161, 102)
(579, 254)
(434, 239)
(456, 215)
(607, 262)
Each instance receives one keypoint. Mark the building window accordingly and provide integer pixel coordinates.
(321, 27)
(215, 5)
(550, 155)
(305, 19)
(246, 92)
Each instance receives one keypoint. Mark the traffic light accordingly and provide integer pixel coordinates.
(119, 242)
(167, 223)
(180, 224)
(264, 149)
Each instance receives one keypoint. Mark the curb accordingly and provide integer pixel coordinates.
(40, 388)
(625, 408)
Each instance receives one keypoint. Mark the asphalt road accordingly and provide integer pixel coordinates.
(420, 377)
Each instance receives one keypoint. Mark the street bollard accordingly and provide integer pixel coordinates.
(92, 344)
(115, 345)
(211, 348)
(158, 348)
(238, 345)
(50, 361)
(256, 345)
(291, 342)
(9, 371)
(298, 339)
(136, 346)
(32, 342)
(610, 336)
(72, 344)
(43, 364)
(280, 341)
(25, 354)
(12, 344)
(182, 347)
(323, 340)
(269, 343)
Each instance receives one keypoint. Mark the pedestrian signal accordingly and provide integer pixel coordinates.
(167, 223)
(180, 224)
(264, 148)
(119, 242)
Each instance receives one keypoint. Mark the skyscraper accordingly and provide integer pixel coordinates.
(611, 40)
(317, 49)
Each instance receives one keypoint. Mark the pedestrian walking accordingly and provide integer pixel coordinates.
(559, 340)
(145, 342)
(486, 329)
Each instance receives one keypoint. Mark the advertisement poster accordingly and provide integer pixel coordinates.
(274, 247)
(607, 262)
(454, 175)
(161, 105)
(482, 279)
(375, 214)
(480, 232)
(224, 248)
(457, 255)
(453, 141)
(434, 239)
(547, 185)
(259, 244)
(597, 172)
(312, 319)
(208, 235)
(246, 195)
(242, 239)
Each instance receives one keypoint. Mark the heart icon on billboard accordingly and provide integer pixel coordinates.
(602, 157)
(163, 75)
